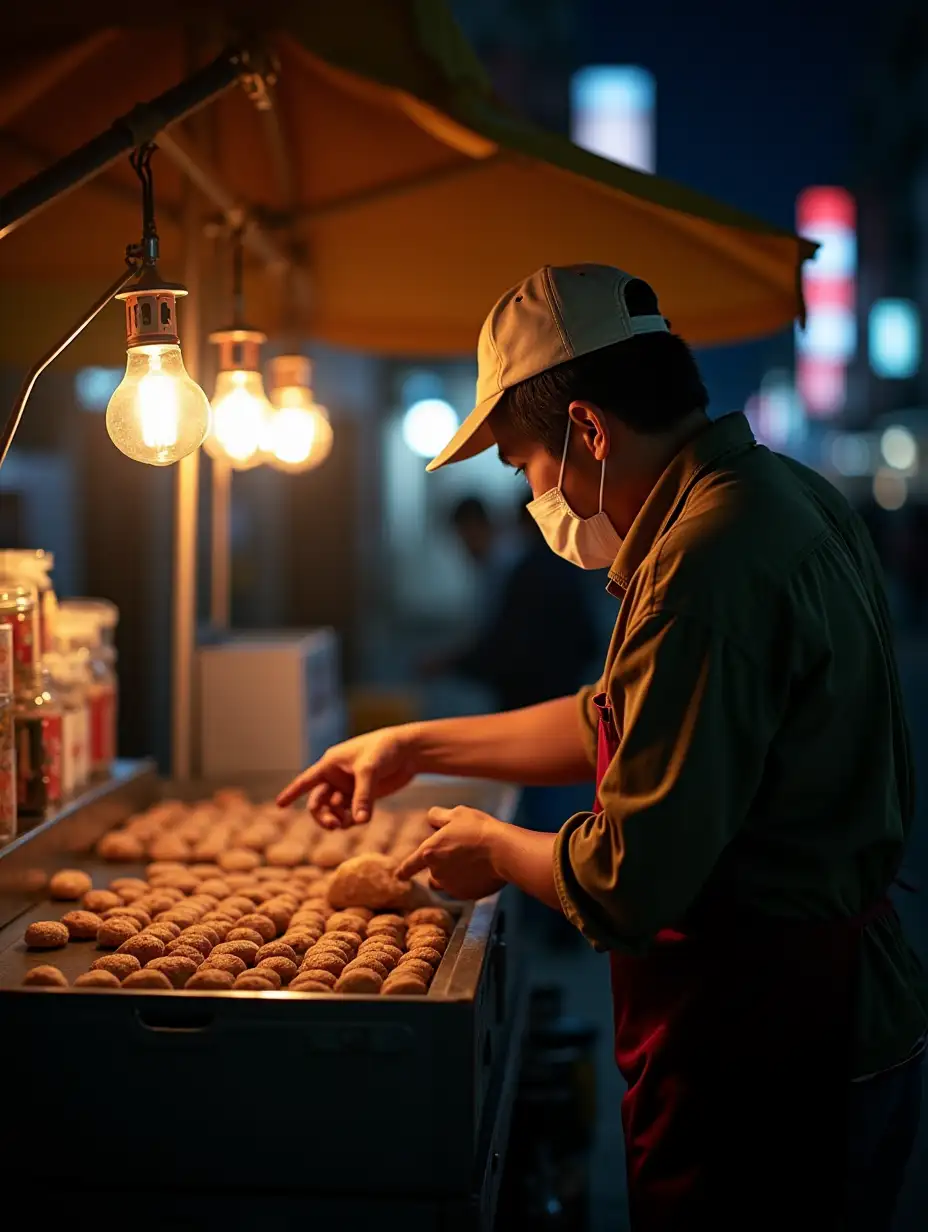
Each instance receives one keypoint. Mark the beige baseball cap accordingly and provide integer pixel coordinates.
(556, 314)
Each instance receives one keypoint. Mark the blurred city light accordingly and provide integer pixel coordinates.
(429, 425)
(612, 113)
(894, 339)
(890, 490)
(829, 217)
(93, 387)
(850, 454)
(899, 448)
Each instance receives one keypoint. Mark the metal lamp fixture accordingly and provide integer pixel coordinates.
(298, 435)
(241, 408)
(157, 413)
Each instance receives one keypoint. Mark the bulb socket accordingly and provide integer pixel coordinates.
(151, 308)
(239, 349)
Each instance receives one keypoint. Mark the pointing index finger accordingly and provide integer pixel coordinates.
(300, 786)
(413, 864)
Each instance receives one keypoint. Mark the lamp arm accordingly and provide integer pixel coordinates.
(16, 413)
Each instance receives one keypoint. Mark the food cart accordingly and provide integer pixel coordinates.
(360, 153)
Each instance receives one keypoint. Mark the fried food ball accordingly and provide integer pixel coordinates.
(316, 902)
(345, 936)
(177, 916)
(143, 946)
(384, 945)
(169, 847)
(253, 892)
(367, 880)
(423, 952)
(210, 979)
(119, 847)
(432, 938)
(68, 884)
(192, 941)
(226, 962)
(299, 941)
(156, 902)
(183, 950)
(245, 934)
(252, 982)
(388, 921)
(437, 916)
(399, 985)
(183, 880)
(285, 854)
(81, 925)
(368, 962)
(379, 955)
(112, 933)
(238, 902)
(305, 985)
(260, 923)
(237, 880)
(318, 974)
(121, 965)
(208, 902)
(220, 927)
(132, 912)
(97, 979)
(148, 978)
(276, 949)
(216, 886)
(177, 967)
(361, 980)
(164, 931)
(285, 968)
(46, 977)
(408, 965)
(131, 894)
(307, 921)
(246, 950)
(342, 921)
(206, 869)
(99, 901)
(238, 860)
(46, 935)
(273, 885)
(324, 960)
(389, 936)
(157, 867)
(203, 930)
(278, 913)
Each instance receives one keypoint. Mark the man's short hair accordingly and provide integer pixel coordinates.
(649, 382)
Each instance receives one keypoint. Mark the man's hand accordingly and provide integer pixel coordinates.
(459, 855)
(342, 786)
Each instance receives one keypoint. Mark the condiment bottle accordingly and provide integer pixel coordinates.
(7, 738)
(37, 720)
(33, 567)
(93, 622)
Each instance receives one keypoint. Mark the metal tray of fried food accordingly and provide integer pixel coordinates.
(331, 1097)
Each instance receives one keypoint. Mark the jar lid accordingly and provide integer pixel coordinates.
(103, 611)
(30, 560)
(6, 660)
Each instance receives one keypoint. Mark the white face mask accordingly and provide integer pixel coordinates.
(591, 543)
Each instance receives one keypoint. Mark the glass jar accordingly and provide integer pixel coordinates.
(33, 567)
(68, 676)
(37, 719)
(7, 738)
(90, 624)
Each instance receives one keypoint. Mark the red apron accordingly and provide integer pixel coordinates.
(733, 1033)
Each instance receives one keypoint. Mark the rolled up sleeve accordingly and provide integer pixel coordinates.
(588, 719)
(695, 718)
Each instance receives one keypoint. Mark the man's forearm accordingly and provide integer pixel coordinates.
(538, 746)
(525, 858)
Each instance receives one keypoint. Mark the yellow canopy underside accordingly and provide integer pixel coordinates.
(418, 198)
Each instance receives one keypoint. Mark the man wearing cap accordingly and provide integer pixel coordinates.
(753, 769)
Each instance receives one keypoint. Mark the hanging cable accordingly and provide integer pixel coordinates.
(140, 160)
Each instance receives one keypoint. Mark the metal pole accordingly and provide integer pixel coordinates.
(138, 127)
(16, 413)
(185, 515)
(221, 547)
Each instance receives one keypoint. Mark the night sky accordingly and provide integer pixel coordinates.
(754, 103)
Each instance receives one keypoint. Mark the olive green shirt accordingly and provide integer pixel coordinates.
(764, 757)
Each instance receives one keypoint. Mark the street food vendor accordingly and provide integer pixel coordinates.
(754, 776)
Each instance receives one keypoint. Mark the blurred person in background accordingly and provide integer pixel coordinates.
(754, 774)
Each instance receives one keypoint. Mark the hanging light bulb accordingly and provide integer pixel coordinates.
(298, 434)
(240, 406)
(157, 414)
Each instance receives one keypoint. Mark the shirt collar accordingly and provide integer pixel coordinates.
(728, 435)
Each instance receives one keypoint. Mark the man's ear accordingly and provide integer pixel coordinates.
(594, 428)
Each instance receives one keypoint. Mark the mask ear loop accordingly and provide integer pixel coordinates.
(560, 478)
(602, 484)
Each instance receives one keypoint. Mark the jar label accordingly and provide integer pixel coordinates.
(103, 727)
(70, 751)
(25, 651)
(51, 738)
(7, 776)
